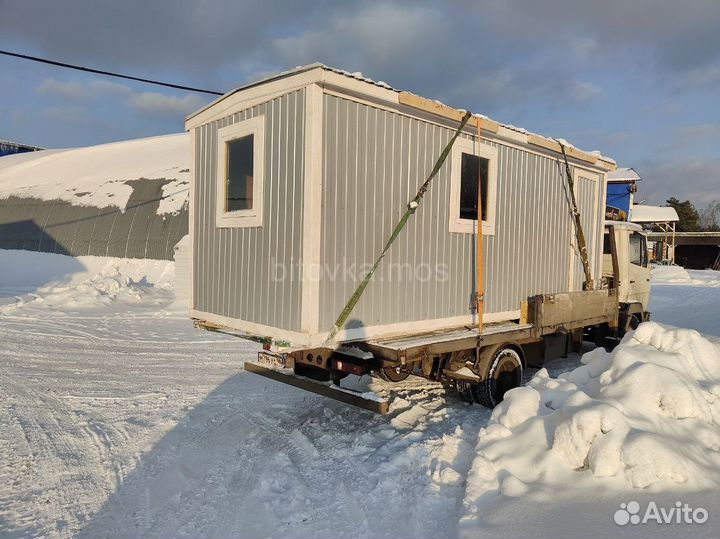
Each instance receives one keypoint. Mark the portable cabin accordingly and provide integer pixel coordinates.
(299, 179)
(621, 187)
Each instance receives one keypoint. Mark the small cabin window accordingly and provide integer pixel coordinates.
(638, 250)
(240, 174)
(472, 169)
(239, 169)
(473, 166)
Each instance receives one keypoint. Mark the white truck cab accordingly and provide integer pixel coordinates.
(632, 272)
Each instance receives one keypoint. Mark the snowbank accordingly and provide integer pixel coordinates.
(645, 416)
(678, 275)
(97, 175)
(670, 274)
(45, 279)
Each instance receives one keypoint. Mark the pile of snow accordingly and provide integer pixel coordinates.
(678, 275)
(646, 415)
(97, 175)
(670, 274)
(29, 278)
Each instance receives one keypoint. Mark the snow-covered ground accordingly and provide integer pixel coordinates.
(119, 419)
(687, 298)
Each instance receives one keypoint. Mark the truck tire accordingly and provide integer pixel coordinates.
(504, 372)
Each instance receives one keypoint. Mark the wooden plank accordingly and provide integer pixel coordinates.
(347, 396)
(487, 124)
(549, 144)
(440, 109)
(537, 140)
(607, 165)
(583, 156)
(428, 105)
(524, 312)
(205, 324)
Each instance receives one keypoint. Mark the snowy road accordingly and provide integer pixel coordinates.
(130, 424)
(121, 420)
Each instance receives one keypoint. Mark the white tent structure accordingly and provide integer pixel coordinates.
(663, 218)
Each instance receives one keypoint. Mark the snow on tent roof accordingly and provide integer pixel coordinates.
(623, 175)
(98, 175)
(653, 214)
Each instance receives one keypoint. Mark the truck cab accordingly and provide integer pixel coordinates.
(631, 276)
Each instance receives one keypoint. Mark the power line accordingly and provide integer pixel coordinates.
(108, 73)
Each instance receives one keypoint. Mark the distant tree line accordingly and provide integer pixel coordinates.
(692, 220)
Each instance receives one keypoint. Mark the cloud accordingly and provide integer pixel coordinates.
(582, 91)
(152, 103)
(72, 115)
(677, 36)
(697, 180)
(699, 130)
(384, 33)
(166, 105)
(62, 89)
(108, 88)
(635, 72)
(81, 89)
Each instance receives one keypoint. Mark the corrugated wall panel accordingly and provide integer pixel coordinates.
(374, 161)
(587, 193)
(57, 226)
(237, 270)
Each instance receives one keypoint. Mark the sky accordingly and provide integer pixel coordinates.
(636, 79)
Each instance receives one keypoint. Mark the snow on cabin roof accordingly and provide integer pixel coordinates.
(653, 214)
(98, 175)
(357, 75)
(623, 175)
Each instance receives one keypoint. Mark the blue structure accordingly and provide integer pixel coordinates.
(621, 185)
(618, 196)
(10, 148)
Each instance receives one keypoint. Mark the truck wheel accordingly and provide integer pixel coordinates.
(393, 374)
(504, 372)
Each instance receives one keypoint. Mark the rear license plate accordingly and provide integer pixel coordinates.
(272, 360)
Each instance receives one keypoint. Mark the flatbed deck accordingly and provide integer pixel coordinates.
(411, 347)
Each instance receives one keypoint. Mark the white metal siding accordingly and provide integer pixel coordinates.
(234, 267)
(374, 161)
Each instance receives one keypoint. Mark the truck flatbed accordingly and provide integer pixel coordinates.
(411, 347)
(452, 354)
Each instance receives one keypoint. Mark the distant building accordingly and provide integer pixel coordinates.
(621, 186)
(125, 199)
(9, 148)
(661, 220)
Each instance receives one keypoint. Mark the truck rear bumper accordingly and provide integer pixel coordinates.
(368, 400)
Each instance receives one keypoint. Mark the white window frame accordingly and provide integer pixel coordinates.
(241, 218)
(472, 147)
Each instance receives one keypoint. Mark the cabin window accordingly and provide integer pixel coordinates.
(239, 168)
(240, 174)
(472, 167)
(638, 250)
